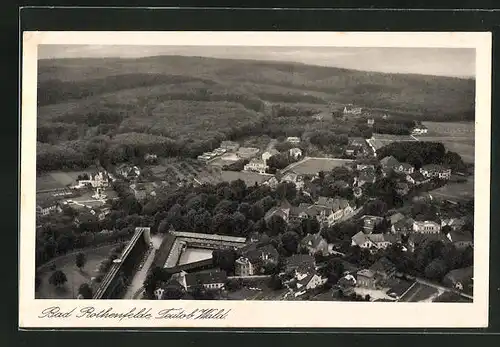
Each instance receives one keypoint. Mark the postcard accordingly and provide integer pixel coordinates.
(255, 179)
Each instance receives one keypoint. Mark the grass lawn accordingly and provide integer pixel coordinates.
(74, 275)
(57, 179)
(311, 166)
(455, 191)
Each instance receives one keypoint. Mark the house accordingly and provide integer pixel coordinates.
(293, 139)
(404, 168)
(357, 142)
(256, 165)
(350, 109)
(350, 151)
(402, 188)
(85, 217)
(97, 180)
(389, 162)
(403, 226)
(229, 146)
(426, 227)
(128, 171)
(210, 280)
(300, 263)
(383, 268)
(461, 239)
(419, 129)
(282, 210)
(435, 171)
(366, 278)
(460, 279)
(346, 284)
(374, 241)
(396, 218)
(333, 209)
(47, 207)
(244, 267)
(268, 154)
(370, 122)
(318, 116)
(369, 223)
(272, 182)
(292, 177)
(454, 223)
(255, 258)
(417, 240)
(314, 244)
(366, 176)
(303, 211)
(151, 158)
(295, 153)
(417, 178)
(308, 280)
(361, 166)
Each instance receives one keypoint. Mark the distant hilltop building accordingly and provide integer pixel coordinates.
(293, 139)
(419, 129)
(350, 109)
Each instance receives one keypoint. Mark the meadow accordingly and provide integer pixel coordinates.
(456, 136)
(312, 166)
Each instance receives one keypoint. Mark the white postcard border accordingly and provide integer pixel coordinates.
(248, 314)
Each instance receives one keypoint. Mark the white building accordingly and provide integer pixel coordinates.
(256, 165)
(295, 153)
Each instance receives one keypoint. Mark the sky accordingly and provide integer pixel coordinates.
(453, 62)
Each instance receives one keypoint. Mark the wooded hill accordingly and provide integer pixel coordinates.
(87, 106)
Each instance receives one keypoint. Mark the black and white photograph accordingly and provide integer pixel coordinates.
(325, 174)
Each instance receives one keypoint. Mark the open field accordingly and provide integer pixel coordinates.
(74, 275)
(312, 166)
(380, 140)
(419, 292)
(456, 136)
(455, 191)
(191, 255)
(56, 179)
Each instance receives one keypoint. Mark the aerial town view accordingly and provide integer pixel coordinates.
(223, 173)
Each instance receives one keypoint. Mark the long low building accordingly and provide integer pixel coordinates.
(123, 268)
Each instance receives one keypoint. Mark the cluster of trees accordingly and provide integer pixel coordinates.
(58, 235)
(226, 208)
(418, 153)
(431, 259)
(326, 139)
(280, 161)
(395, 127)
(236, 166)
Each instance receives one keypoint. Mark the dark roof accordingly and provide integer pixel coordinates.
(255, 254)
(433, 167)
(298, 260)
(312, 240)
(389, 161)
(460, 236)
(418, 238)
(383, 265)
(405, 166)
(367, 175)
(332, 203)
(417, 176)
(396, 217)
(208, 277)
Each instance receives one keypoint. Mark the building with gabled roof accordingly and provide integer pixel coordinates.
(388, 162)
(404, 168)
(417, 178)
(314, 244)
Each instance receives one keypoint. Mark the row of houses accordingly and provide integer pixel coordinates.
(260, 165)
(426, 171)
(327, 211)
(417, 232)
